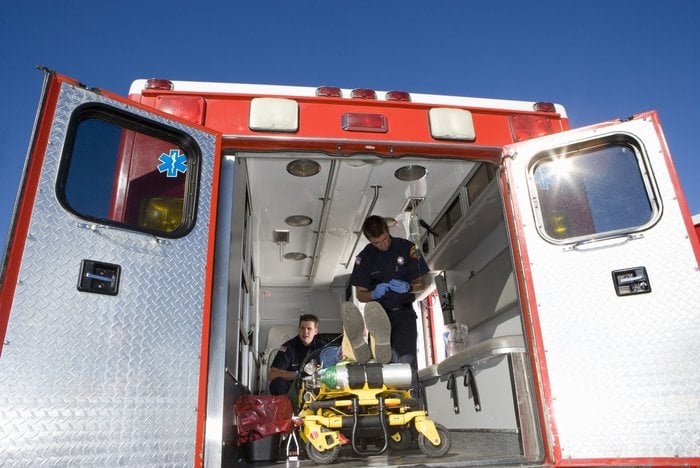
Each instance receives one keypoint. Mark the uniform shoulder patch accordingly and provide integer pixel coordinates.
(282, 349)
(414, 252)
(357, 260)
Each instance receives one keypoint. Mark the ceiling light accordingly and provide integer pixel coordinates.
(355, 163)
(298, 220)
(295, 256)
(303, 167)
(410, 173)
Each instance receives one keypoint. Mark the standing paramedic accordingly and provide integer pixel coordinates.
(290, 355)
(390, 270)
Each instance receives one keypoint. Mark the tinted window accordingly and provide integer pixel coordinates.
(141, 179)
(592, 191)
(479, 181)
(447, 220)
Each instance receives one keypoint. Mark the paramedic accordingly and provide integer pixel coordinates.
(290, 355)
(390, 270)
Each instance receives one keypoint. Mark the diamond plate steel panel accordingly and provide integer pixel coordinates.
(623, 371)
(94, 380)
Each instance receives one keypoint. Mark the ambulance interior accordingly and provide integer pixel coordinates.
(295, 250)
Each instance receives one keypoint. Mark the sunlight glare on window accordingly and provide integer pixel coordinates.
(561, 167)
(595, 190)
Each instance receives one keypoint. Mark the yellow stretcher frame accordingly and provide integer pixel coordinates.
(325, 414)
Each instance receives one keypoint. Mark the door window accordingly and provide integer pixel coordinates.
(117, 170)
(598, 189)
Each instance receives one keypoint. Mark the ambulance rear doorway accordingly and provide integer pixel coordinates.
(296, 229)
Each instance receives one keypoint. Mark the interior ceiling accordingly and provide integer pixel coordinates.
(351, 185)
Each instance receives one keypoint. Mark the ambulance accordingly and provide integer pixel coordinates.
(164, 244)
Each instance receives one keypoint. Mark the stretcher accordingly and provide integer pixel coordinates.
(368, 406)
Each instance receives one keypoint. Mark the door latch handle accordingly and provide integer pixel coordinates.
(108, 279)
(99, 277)
(631, 281)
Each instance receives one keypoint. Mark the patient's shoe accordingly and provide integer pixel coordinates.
(379, 329)
(354, 345)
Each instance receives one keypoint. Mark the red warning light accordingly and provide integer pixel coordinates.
(354, 122)
(363, 93)
(544, 107)
(159, 84)
(329, 91)
(398, 96)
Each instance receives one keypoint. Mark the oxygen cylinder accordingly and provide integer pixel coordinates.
(355, 376)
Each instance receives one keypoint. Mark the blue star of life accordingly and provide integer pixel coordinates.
(172, 163)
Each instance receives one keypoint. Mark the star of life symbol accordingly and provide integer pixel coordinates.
(172, 163)
(545, 178)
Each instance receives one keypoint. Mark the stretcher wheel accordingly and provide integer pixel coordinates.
(323, 458)
(400, 439)
(434, 451)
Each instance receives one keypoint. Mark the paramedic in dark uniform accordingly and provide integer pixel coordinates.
(290, 355)
(390, 270)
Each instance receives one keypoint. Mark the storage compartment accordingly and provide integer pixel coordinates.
(260, 422)
(265, 449)
(467, 230)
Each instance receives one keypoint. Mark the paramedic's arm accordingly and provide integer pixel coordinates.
(285, 374)
(417, 286)
(363, 294)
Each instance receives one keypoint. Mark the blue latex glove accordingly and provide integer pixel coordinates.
(380, 290)
(399, 286)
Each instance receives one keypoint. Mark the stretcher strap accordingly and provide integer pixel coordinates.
(356, 377)
(374, 375)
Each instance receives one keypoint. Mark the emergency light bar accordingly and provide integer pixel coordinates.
(362, 93)
(272, 114)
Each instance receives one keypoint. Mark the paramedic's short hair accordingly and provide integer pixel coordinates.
(308, 318)
(374, 227)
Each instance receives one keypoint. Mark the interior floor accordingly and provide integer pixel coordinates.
(469, 448)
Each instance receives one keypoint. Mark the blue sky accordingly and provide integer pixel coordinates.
(601, 59)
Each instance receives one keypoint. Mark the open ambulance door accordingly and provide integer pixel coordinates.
(105, 296)
(608, 264)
